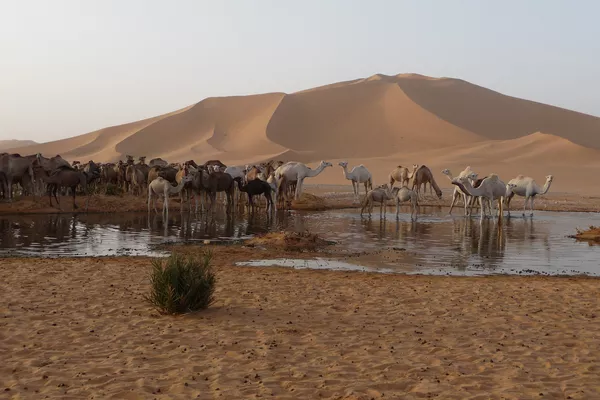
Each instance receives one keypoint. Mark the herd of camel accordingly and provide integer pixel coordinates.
(36, 174)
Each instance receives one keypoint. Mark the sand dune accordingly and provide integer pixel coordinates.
(12, 143)
(380, 121)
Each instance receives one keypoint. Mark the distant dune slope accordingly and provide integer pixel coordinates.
(12, 143)
(380, 121)
(496, 116)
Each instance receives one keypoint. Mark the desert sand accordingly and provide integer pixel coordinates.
(80, 328)
(380, 121)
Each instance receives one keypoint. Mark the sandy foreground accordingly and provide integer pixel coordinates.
(80, 328)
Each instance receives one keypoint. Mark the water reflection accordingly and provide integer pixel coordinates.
(436, 243)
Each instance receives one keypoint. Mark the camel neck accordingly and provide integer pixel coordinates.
(315, 172)
(546, 187)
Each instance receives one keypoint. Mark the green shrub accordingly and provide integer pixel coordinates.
(182, 284)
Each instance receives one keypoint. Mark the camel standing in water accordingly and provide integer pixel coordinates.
(64, 177)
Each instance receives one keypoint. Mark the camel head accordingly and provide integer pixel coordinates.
(343, 164)
(325, 164)
(187, 178)
(415, 167)
(549, 178)
(446, 171)
(509, 189)
(142, 159)
(472, 176)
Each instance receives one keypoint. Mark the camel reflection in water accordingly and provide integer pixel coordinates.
(434, 240)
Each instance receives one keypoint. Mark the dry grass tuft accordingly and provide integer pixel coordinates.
(590, 234)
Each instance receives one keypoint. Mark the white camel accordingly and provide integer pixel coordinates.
(525, 186)
(297, 171)
(490, 189)
(472, 176)
(359, 174)
(405, 194)
(380, 194)
(161, 187)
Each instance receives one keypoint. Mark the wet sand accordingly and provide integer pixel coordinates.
(75, 328)
(328, 197)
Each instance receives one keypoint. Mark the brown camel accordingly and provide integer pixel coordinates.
(108, 173)
(136, 178)
(186, 191)
(252, 173)
(284, 194)
(16, 169)
(216, 182)
(400, 174)
(64, 178)
(157, 162)
(211, 164)
(423, 175)
(142, 166)
(3, 186)
(169, 173)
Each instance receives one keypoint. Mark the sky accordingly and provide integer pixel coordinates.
(68, 67)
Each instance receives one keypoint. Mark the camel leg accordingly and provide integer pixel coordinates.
(415, 204)
(49, 191)
(508, 199)
(166, 206)
(149, 200)
(481, 202)
(269, 202)
(397, 207)
(531, 206)
(525, 205)
(55, 194)
(298, 189)
(454, 197)
(472, 203)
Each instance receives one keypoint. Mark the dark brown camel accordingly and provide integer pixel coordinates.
(257, 187)
(216, 182)
(3, 186)
(65, 178)
(168, 173)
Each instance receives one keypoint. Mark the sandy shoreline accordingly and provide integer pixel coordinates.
(75, 328)
(329, 197)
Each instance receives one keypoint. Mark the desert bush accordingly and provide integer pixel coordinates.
(181, 284)
(111, 190)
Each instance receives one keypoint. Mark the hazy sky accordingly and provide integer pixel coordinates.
(72, 66)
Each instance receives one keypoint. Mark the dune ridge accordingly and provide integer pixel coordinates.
(380, 121)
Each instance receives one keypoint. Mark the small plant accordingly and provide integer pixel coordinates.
(182, 284)
(112, 190)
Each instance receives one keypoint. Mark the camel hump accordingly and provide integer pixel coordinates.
(493, 177)
(399, 166)
(520, 177)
